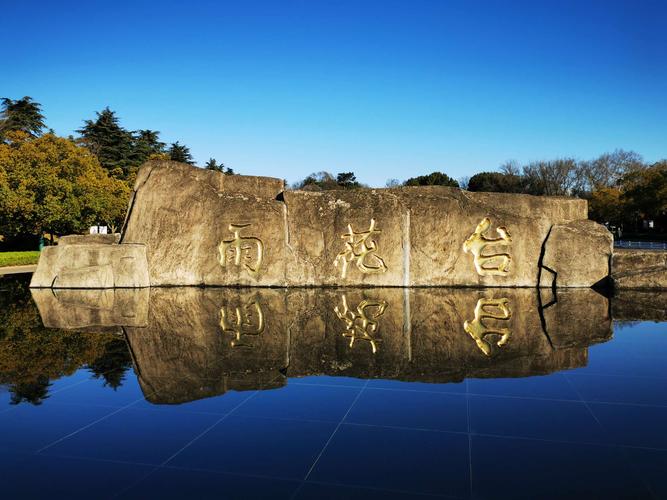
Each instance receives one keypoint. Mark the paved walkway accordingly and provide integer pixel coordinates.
(18, 269)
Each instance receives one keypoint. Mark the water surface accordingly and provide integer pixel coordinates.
(357, 393)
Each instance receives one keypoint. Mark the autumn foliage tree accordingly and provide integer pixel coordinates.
(49, 184)
(645, 192)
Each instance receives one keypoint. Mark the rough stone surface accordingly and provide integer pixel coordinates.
(318, 225)
(86, 239)
(578, 253)
(87, 265)
(442, 219)
(419, 235)
(205, 228)
(639, 269)
(195, 343)
(183, 214)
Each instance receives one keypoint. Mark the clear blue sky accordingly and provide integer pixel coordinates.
(386, 89)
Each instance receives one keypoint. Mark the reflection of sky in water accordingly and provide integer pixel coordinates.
(583, 414)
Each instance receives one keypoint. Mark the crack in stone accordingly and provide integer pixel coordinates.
(132, 202)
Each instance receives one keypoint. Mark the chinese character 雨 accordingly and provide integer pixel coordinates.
(489, 264)
(360, 248)
(245, 251)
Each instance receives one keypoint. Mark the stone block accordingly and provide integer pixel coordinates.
(91, 265)
(85, 239)
(458, 238)
(346, 238)
(417, 236)
(205, 228)
(639, 269)
(578, 253)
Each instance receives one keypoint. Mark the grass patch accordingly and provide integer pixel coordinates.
(18, 258)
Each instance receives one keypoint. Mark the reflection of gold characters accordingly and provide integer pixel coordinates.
(241, 322)
(362, 324)
(242, 250)
(489, 309)
(490, 264)
(358, 247)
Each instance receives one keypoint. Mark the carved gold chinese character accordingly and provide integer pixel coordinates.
(242, 322)
(360, 248)
(489, 309)
(245, 251)
(361, 324)
(489, 264)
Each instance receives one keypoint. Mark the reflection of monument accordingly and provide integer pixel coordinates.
(243, 321)
(361, 324)
(192, 343)
(489, 310)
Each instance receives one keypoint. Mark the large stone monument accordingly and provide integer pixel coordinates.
(188, 226)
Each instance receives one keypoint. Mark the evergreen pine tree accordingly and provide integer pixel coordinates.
(212, 164)
(146, 143)
(111, 143)
(180, 152)
(21, 115)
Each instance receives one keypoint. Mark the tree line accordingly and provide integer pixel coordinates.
(55, 185)
(623, 191)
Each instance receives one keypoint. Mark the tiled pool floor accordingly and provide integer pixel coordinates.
(595, 430)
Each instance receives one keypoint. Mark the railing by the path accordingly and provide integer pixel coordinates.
(643, 245)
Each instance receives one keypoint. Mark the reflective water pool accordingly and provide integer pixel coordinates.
(363, 393)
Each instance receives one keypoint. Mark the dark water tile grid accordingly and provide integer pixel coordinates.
(594, 432)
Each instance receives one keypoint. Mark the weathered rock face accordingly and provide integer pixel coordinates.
(346, 238)
(195, 343)
(205, 228)
(80, 264)
(460, 238)
(85, 239)
(419, 236)
(577, 254)
(199, 227)
(639, 269)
